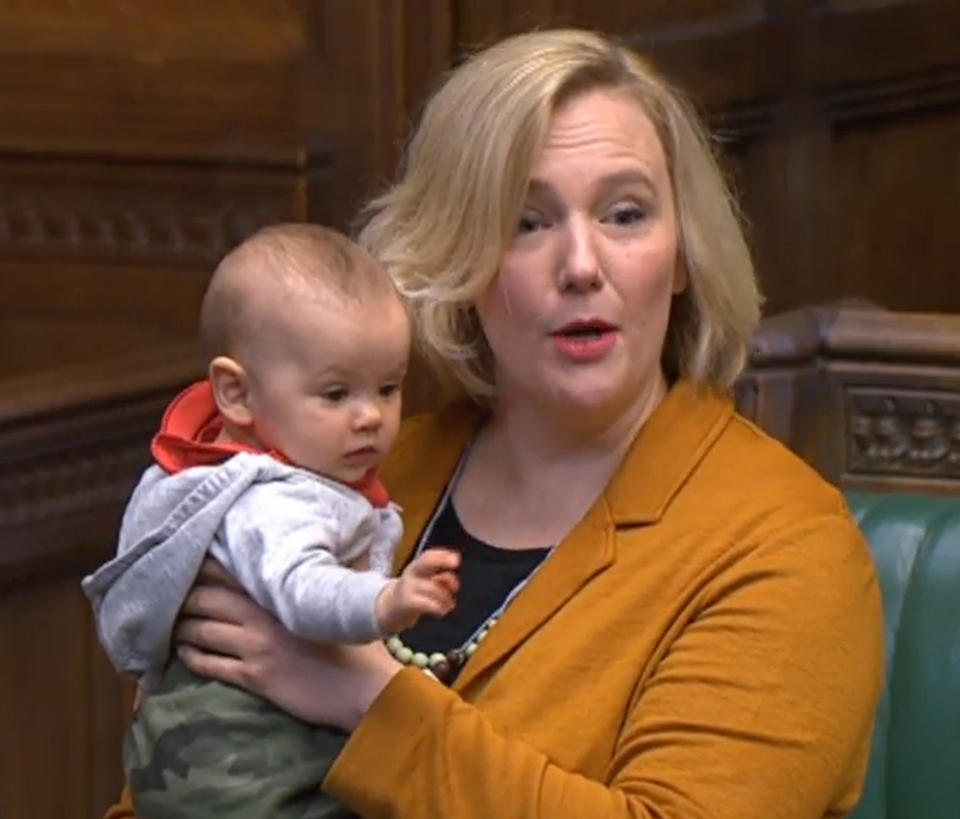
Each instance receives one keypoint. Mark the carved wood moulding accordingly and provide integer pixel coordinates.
(83, 478)
(930, 90)
(905, 432)
(61, 497)
(136, 213)
(73, 441)
(826, 8)
(736, 19)
(737, 125)
(740, 103)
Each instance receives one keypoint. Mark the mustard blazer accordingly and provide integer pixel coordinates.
(706, 642)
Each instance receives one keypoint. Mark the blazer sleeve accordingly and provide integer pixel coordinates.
(124, 808)
(761, 708)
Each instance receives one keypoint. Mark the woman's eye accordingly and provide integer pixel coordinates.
(389, 389)
(334, 395)
(625, 215)
(529, 222)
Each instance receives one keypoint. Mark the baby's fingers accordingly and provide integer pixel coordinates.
(433, 561)
(433, 598)
(447, 581)
(442, 594)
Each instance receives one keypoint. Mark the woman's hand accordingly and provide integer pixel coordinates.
(224, 635)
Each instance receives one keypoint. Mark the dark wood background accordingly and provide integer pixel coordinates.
(138, 141)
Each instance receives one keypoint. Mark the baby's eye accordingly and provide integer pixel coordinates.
(389, 389)
(625, 215)
(334, 394)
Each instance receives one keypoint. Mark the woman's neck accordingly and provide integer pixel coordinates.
(533, 474)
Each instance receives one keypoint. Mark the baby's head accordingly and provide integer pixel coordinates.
(308, 344)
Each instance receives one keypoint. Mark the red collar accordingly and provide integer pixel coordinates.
(188, 437)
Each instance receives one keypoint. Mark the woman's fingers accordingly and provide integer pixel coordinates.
(212, 636)
(215, 666)
(219, 603)
(212, 573)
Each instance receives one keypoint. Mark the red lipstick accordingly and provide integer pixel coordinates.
(585, 340)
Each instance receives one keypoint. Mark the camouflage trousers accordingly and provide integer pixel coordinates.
(199, 748)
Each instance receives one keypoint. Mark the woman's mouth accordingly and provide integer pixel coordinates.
(585, 341)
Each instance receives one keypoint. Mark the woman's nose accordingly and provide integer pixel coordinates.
(580, 267)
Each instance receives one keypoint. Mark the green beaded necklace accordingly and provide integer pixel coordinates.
(443, 666)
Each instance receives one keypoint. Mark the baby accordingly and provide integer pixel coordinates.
(270, 466)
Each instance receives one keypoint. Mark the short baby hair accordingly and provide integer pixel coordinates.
(247, 287)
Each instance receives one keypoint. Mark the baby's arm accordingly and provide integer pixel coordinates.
(428, 585)
(285, 543)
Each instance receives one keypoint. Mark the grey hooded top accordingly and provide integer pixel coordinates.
(284, 533)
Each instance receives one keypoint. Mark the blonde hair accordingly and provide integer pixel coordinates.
(441, 229)
(276, 257)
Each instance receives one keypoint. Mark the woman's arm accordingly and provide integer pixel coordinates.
(761, 708)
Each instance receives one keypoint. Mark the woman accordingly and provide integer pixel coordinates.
(662, 611)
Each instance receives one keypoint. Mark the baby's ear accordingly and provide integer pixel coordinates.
(231, 390)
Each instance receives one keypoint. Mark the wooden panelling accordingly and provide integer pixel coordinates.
(72, 442)
(64, 707)
(152, 78)
(857, 41)
(726, 53)
(32, 344)
(44, 695)
(838, 119)
(883, 217)
(141, 141)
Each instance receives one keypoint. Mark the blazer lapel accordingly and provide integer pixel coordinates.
(587, 550)
(665, 452)
(422, 463)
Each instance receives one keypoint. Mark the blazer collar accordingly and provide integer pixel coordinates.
(665, 452)
(421, 464)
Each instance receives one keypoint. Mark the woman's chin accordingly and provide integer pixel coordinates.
(589, 404)
(599, 403)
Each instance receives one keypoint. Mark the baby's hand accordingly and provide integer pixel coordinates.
(427, 586)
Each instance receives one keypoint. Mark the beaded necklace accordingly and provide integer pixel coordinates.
(445, 665)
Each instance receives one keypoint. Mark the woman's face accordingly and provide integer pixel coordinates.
(577, 313)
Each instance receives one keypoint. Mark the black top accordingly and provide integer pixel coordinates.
(487, 575)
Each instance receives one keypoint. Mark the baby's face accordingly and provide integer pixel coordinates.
(325, 387)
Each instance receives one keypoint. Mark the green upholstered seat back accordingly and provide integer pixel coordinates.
(915, 764)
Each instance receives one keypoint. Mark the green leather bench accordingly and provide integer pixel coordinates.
(915, 764)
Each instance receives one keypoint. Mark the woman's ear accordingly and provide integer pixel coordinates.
(231, 390)
(679, 278)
